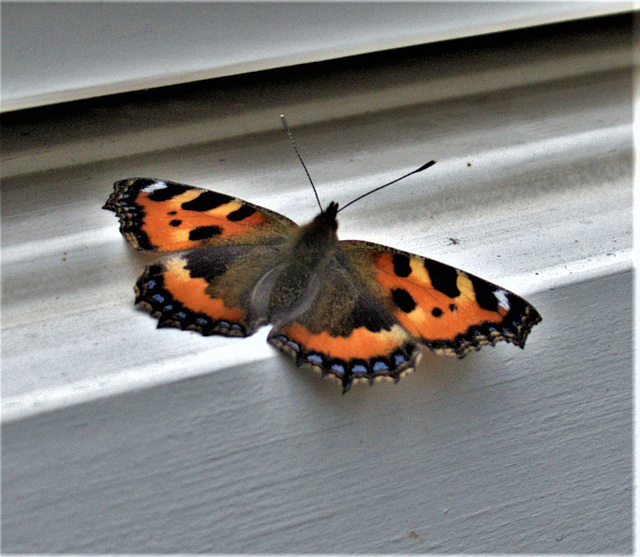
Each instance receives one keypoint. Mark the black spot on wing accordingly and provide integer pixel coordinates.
(204, 233)
(367, 313)
(200, 265)
(485, 294)
(166, 193)
(175, 222)
(363, 316)
(138, 183)
(209, 263)
(403, 300)
(206, 201)
(242, 213)
(443, 278)
(436, 312)
(154, 270)
(401, 265)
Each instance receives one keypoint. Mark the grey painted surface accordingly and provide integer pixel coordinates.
(120, 437)
(61, 51)
(508, 453)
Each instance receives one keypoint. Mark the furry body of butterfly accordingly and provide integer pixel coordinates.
(352, 310)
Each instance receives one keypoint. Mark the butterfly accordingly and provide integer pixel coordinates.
(353, 310)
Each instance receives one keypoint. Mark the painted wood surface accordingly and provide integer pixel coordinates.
(118, 437)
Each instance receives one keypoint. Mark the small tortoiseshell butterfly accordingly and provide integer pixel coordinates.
(350, 309)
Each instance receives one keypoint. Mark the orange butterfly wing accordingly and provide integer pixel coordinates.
(159, 215)
(233, 243)
(346, 332)
(450, 311)
(353, 310)
(209, 290)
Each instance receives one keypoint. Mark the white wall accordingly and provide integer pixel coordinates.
(61, 51)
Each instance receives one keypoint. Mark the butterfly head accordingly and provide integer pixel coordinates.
(321, 232)
(329, 216)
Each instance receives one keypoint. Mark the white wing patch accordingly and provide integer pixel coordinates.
(503, 299)
(155, 186)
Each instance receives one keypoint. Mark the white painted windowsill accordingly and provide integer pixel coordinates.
(62, 51)
(121, 437)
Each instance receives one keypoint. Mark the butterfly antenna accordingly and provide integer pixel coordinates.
(423, 167)
(295, 147)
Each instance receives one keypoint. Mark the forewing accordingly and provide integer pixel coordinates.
(159, 215)
(450, 311)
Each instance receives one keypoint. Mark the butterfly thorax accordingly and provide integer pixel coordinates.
(304, 260)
